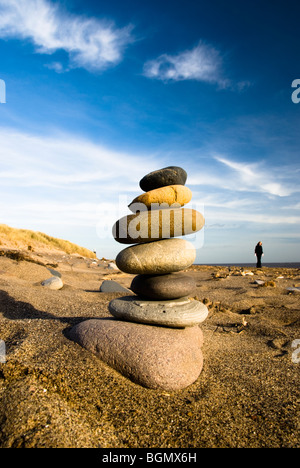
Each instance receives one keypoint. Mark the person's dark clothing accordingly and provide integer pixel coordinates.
(258, 253)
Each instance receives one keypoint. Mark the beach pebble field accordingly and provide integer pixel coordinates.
(55, 393)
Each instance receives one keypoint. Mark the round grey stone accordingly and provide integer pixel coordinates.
(171, 175)
(112, 266)
(155, 258)
(179, 313)
(170, 286)
(154, 357)
(55, 283)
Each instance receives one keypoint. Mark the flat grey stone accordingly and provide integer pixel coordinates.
(165, 256)
(163, 287)
(171, 175)
(259, 282)
(112, 286)
(54, 283)
(154, 357)
(293, 290)
(179, 313)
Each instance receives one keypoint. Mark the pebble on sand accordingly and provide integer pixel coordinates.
(293, 290)
(112, 266)
(109, 286)
(55, 283)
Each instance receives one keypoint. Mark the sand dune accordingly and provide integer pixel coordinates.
(27, 240)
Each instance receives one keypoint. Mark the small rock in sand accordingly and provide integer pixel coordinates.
(54, 283)
(109, 286)
(112, 266)
(294, 290)
(259, 282)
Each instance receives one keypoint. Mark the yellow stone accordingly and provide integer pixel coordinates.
(152, 225)
(169, 195)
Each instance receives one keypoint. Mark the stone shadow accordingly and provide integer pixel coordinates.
(19, 310)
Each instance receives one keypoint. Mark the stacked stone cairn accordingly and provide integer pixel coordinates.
(157, 255)
(154, 336)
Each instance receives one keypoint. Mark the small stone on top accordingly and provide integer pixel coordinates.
(171, 175)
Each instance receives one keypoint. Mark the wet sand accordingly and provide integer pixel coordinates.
(54, 394)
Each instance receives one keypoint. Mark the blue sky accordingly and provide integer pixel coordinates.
(100, 93)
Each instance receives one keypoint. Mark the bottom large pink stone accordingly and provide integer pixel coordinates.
(151, 356)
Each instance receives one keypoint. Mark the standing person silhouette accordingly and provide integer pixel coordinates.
(259, 253)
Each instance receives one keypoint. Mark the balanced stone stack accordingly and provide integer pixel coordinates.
(157, 256)
(154, 338)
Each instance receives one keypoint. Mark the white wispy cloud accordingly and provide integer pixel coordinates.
(247, 217)
(63, 181)
(242, 177)
(296, 206)
(254, 177)
(245, 194)
(90, 43)
(202, 63)
(64, 161)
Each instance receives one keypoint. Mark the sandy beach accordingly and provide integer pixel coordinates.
(54, 394)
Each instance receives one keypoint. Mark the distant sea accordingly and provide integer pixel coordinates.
(253, 265)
